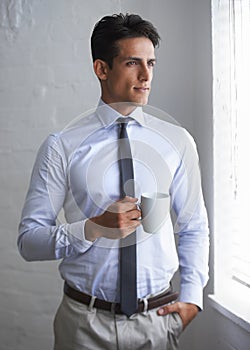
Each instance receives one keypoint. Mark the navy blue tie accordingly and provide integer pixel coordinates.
(128, 290)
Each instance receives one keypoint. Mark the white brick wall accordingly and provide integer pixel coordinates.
(46, 79)
(45, 74)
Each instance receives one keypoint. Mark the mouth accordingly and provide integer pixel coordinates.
(142, 89)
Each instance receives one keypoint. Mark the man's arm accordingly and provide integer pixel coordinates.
(40, 238)
(192, 229)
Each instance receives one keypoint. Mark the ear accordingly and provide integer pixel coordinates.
(101, 69)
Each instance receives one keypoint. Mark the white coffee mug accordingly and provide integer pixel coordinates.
(155, 208)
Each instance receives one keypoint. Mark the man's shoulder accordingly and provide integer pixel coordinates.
(169, 128)
(68, 139)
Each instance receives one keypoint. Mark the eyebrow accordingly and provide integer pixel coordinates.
(137, 59)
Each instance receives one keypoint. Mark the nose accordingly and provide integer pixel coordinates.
(144, 73)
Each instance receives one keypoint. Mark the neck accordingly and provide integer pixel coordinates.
(124, 108)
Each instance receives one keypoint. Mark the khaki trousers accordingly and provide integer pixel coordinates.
(79, 327)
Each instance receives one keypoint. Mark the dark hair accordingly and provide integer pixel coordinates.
(116, 27)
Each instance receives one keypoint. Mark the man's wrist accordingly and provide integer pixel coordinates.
(192, 293)
(90, 231)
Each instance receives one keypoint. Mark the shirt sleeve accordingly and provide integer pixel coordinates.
(40, 236)
(191, 225)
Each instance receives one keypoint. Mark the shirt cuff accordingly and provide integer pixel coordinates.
(192, 294)
(76, 229)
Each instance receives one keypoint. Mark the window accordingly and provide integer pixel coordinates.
(231, 105)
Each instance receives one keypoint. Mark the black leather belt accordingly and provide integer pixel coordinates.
(152, 303)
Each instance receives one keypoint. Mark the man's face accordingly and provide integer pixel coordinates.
(129, 79)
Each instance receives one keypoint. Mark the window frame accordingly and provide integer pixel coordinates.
(229, 296)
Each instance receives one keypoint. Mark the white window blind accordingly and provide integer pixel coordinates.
(231, 104)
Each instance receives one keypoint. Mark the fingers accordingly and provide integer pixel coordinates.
(187, 311)
(133, 214)
(128, 203)
(118, 221)
(168, 309)
(124, 205)
(128, 199)
(128, 219)
(126, 216)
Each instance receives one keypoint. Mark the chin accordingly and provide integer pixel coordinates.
(141, 102)
(138, 103)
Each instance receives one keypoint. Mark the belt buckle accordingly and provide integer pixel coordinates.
(116, 308)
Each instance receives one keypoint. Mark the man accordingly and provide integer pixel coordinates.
(78, 169)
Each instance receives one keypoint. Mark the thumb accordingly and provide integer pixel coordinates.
(168, 309)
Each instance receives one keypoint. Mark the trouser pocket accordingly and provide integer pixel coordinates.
(175, 327)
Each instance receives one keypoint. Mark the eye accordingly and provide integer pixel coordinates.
(131, 63)
(151, 63)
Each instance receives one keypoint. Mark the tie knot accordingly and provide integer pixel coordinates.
(123, 123)
(124, 119)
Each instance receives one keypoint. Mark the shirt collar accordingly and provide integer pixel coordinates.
(108, 115)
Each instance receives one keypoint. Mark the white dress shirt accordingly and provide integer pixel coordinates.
(77, 170)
